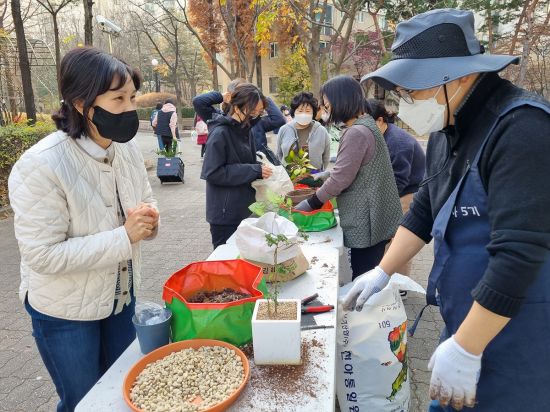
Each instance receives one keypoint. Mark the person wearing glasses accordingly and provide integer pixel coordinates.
(362, 178)
(485, 203)
(230, 164)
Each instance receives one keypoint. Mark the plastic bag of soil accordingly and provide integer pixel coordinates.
(371, 359)
(228, 321)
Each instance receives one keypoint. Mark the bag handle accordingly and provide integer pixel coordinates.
(262, 158)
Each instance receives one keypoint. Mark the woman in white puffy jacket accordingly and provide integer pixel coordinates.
(82, 204)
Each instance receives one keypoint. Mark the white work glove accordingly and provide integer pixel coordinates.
(303, 206)
(364, 287)
(455, 373)
(321, 175)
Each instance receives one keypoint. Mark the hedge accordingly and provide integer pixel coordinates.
(14, 140)
(144, 113)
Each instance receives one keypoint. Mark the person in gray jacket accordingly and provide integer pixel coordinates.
(362, 180)
(305, 133)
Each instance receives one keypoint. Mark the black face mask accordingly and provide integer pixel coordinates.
(120, 128)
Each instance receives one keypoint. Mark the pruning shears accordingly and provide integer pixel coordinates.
(314, 309)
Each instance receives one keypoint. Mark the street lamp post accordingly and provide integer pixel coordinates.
(155, 63)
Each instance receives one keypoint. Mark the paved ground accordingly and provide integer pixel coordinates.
(184, 237)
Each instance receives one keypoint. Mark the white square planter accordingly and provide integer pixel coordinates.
(277, 342)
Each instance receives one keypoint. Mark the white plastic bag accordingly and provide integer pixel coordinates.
(279, 182)
(251, 242)
(194, 136)
(150, 313)
(371, 360)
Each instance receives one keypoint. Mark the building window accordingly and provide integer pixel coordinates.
(328, 20)
(360, 17)
(327, 31)
(273, 50)
(273, 85)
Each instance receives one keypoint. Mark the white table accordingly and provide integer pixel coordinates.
(321, 278)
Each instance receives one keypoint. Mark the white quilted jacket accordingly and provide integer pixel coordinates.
(67, 226)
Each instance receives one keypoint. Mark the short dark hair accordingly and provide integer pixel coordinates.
(169, 101)
(377, 109)
(304, 98)
(246, 97)
(158, 106)
(345, 95)
(84, 74)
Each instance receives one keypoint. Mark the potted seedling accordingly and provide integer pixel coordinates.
(276, 322)
(170, 167)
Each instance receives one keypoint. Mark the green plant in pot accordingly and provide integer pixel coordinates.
(298, 165)
(276, 322)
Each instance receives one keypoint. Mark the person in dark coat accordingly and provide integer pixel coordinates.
(204, 105)
(230, 164)
(485, 203)
(166, 123)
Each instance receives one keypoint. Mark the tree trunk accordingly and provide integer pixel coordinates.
(177, 87)
(57, 50)
(24, 64)
(526, 47)
(192, 88)
(259, 76)
(489, 22)
(7, 73)
(379, 33)
(88, 23)
(215, 80)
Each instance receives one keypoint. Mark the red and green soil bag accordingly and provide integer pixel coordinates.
(314, 221)
(230, 322)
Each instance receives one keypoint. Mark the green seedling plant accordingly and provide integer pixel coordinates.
(281, 271)
(298, 165)
(169, 152)
(278, 241)
(274, 203)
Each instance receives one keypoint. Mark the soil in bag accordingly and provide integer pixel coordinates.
(218, 296)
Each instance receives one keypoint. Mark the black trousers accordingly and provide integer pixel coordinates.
(220, 233)
(365, 259)
(167, 141)
(203, 149)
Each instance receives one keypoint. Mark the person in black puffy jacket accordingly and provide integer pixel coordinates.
(230, 164)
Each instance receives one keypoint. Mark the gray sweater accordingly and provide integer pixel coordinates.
(318, 143)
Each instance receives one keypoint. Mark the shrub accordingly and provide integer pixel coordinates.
(14, 140)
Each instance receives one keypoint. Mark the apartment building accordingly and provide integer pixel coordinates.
(363, 22)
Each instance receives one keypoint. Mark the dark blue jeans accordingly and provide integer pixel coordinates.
(78, 353)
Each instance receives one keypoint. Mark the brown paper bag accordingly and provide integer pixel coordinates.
(299, 263)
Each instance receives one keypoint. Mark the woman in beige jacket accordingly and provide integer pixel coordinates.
(82, 204)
